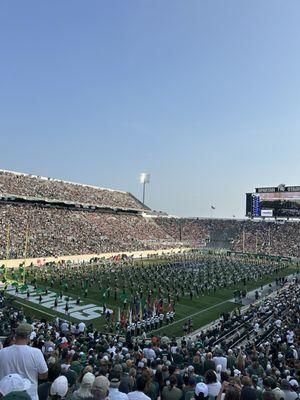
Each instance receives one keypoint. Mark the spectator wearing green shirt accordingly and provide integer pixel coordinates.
(172, 392)
(209, 363)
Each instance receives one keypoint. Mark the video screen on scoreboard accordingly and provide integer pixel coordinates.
(283, 203)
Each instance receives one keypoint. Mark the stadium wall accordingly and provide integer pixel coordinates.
(15, 263)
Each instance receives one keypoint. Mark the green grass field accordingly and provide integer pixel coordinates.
(202, 309)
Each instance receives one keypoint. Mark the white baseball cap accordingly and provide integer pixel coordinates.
(201, 387)
(59, 386)
(294, 383)
(88, 379)
(13, 383)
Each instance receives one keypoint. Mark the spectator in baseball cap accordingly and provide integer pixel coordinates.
(201, 391)
(44, 388)
(59, 388)
(114, 393)
(13, 383)
(25, 360)
(85, 390)
(289, 393)
(100, 388)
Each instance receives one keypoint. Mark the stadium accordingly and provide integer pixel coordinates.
(115, 286)
(73, 251)
(102, 260)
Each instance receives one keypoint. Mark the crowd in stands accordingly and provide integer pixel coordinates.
(57, 231)
(238, 235)
(47, 188)
(185, 229)
(60, 360)
(61, 231)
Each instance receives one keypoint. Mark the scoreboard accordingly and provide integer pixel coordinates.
(281, 201)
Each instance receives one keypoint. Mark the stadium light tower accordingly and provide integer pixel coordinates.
(144, 178)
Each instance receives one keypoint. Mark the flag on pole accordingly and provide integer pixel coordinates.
(130, 316)
(113, 318)
(123, 318)
(141, 311)
(154, 310)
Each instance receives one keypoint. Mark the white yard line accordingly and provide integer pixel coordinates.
(37, 309)
(196, 313)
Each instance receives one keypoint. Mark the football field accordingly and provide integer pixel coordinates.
(38, 300)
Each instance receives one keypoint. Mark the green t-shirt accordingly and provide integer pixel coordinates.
(189, 394)
(231, 363)
(43, 390)
(171, 394)
(153, 391)
(255, 371)
(178, 359)
(209, 364)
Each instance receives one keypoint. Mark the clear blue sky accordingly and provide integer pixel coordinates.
(203, 94)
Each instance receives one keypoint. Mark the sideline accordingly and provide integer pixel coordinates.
(245, 307)
(196, 313)
(38, 309)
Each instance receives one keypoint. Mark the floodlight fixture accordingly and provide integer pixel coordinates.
(144, 178)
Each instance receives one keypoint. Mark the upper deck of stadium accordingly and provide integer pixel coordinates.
(39, 187)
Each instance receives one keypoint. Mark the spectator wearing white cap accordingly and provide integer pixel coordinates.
(13, 383)
(100, 388)
(289, 393)
(294, 384)
(24, 360)
(114, 393)
(201, 391)
(59, 388)
(85, 390)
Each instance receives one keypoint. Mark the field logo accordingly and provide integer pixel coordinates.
(85, 312)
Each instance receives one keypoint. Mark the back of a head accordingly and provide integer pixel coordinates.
(210, 376)
(173, 380)
(224, 376)
(141, 383)
(23, 331)
(246, 381)
(53, 372)
(268, 395)
(232, 393)
(100, 387)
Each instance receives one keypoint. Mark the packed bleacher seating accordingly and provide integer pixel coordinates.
(184, 229)
(18, 184)
(57, 231)
(253, 355)
(238, 235)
